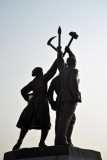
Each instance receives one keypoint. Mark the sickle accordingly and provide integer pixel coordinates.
(49, 43)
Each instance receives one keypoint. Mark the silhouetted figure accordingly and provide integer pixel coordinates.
(58, 106)
(36, 114)
(69, 94)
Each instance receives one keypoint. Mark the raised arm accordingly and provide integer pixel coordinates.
(67, 49)
(60, 60)
(51, 72)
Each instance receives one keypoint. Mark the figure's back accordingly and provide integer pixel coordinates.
(39, 85)
(66, 77)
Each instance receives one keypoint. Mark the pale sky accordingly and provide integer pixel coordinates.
(25, 27)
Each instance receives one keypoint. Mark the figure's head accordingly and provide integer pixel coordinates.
(38, 71)
(71, 61)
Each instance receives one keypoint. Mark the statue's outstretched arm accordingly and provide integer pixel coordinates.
(60, 60)
(51, 72)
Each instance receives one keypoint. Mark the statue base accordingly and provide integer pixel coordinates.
(53, 153)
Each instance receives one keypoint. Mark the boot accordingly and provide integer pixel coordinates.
(17, 145)
(42, 145)
(70, 142)
(21, 137)
(70, 130)
(44, 133)
(61, 135)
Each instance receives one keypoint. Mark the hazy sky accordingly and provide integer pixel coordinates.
(25, 27)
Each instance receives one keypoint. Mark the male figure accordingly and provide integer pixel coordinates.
(36, 114)
(58, 107)
(69, 94)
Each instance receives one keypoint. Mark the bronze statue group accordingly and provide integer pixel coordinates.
(36, 114)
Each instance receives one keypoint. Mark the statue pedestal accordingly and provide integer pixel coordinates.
(53, 153)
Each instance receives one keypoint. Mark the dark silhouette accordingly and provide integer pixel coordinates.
(58, 106)
(72, 34)
(36, 114)
(69, 94)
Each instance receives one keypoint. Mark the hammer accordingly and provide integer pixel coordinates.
(74, 36)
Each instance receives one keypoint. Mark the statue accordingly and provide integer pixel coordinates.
(69, 93)
(36, 114)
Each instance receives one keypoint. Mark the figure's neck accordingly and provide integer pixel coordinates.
(38, 76)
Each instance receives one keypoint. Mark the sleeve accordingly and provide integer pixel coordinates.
(51, 72)
(71, 54)
(50, 95)
(60, 61)
(67, 49)
(25, 90)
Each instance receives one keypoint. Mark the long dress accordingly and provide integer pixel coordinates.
(36, 114)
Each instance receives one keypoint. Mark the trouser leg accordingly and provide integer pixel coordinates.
(70, 129)
(63, 123)
(44, 133)
(23, 132)
(21, 137)
(58, 115)
(57, 120)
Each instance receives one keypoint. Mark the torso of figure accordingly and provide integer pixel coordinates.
(39, 85)
(66, 76)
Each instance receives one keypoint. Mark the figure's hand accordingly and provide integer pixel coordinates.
(77, 97)
(59, 48)
(67, 49)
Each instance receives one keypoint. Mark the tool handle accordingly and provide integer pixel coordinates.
(70, 41)
(68, 45)
(53, 47)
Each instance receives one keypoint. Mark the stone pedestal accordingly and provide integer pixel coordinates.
(53, 153)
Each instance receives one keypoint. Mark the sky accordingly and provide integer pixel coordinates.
(25, 28)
